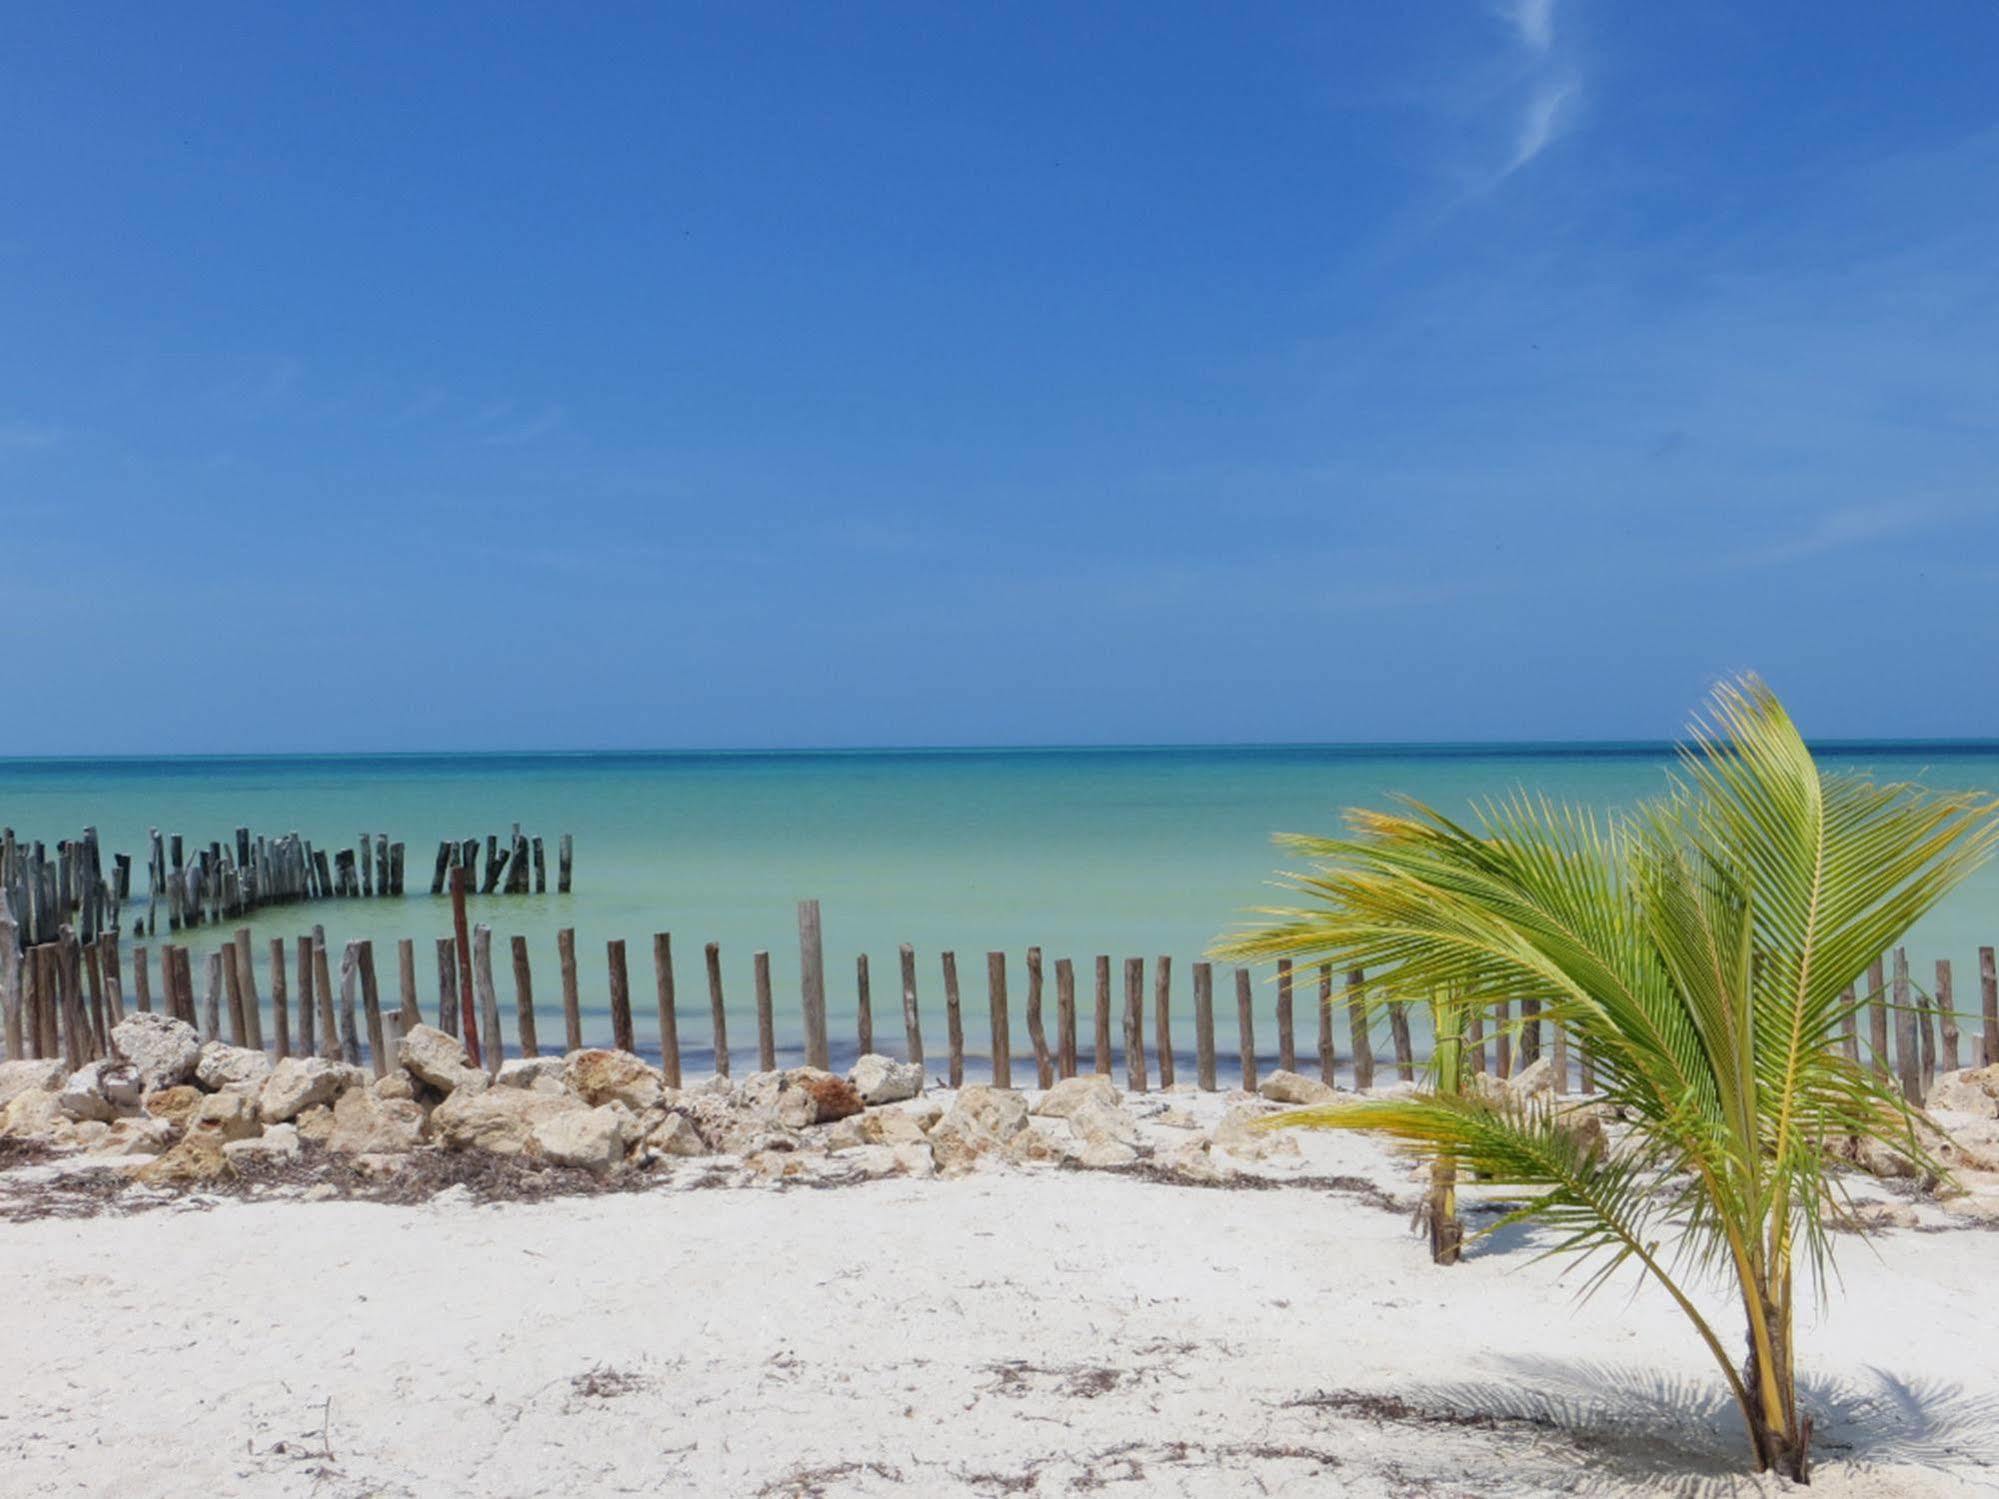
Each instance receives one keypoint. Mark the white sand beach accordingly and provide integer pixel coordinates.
(1016, 1330)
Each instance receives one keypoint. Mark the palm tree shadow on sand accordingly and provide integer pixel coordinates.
(1644, 1430)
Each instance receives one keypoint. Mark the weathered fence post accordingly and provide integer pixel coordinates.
(1134, 1025)
(1947, 1013)
(912, 1017)
(281, 1020)
(322, 983)
(350, 974)
(1398, 1033)
(1102, 1038)
(766, 1014)
(572, 1005)
(1037, 1034)
(621, 995)
(1908, 1062)
(812, 984)
(491, 1044)
(1065, 1017)
(371, 1004)
(1002, 1030)
(1204, 1026)
(864, 1006)
(1363, 1044)
(668, 1000)
(1287, 1046)
(308, 1034)
(954, 1020)
(1988, 1001)
(524, 999)
(1329, 1053)
(1162, 1017)
(468, 1014)
(1877, 1016)
(410, 1016)
(718, 1012)
(1245, 1019)
(447, 985)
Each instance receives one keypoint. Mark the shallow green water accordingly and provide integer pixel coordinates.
(1132, 852)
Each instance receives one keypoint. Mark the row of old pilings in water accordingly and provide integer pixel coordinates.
(227, 880)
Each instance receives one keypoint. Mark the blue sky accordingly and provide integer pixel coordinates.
(429, 376)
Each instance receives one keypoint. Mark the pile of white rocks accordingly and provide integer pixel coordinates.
(175, 1110)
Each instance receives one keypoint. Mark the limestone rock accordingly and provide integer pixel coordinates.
(135, 1137)
(432, 1057)
(239, 1069)
(1195, 1162)
(197, 1158)
(397, 1084)
(879, 1079)
(315, 1125)
(1069, 1095)
(601, 1076)
(365, 1123)
(298, 1083)
(1034, 1147)
(1237, 1134)
(1104, 1154)
(21, 1077)
(1294, 1088)
(500, 1120)
(832, 1097)
(675, 1135)
(980, 1119)
(32, 1115)
(872, 1162)
(592, 1139)
(925, 1111)
(1100, 1123)
(278, 1143)
(537, 1074)
(1533, 1080)
(915, 1160)
(166, 1051)
(886, 1127)
(102, 1090)
(1973, 1090)
(174, 1105)
(1175, 1119)
(225, 1116)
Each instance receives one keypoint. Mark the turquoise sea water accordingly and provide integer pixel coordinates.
(1130, 852)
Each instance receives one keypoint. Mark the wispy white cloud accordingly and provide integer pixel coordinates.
(1846, 526)
(22, 437)
(1534, 20)
(1543, 121)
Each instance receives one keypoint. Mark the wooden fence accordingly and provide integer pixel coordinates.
(227, 881)
(61, 998)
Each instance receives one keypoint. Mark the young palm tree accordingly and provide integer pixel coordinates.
(1698, 946)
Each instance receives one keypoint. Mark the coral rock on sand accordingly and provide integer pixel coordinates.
(198, 1158)
(675, 1135)
(1533, 1080)
(1237, 1135)
(365, 1123)
(537, 1074)
(278, 1143)
(235, 1068)
(980, 1119)
(880, 1079)
(137, 1136)
(832, 1097)
(1105, 1154)
(31, 1114)
(500, 1120)
(174, 1105)
(431, 1056)
(797, 1099)
(1974, 1090)
(225, 1116)
(593, 1139)
(298, 1083)
(1292, 1087)
(17, 1078)
(102, 1090)
(1100, 1123)
(166, 1051)
(600, 1076)
(1069, 1095)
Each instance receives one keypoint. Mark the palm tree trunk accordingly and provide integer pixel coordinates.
(1781, 1439)
(1440, 1215)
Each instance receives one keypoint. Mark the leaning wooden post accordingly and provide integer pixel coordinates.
(524, 998)
(350, 974)
(322, 983)
(1988, 1002)
(1287, 1046)
(954, 1020)
(1908, 1062)
(1926, 1039)
(1204, 1026)
(308, 1042)
(1102, 1037)
(253, 1004)
(1877, 1016)
(1002, 1030)
(371, 1005)
(621, 995)
(281, 1020)
(447, 985)
(232, 983)
(1947, 1013)
(491, 1046)
(468, 1014)
(411, 1014)
(211, 1028)
(1065, 1017)
(1329, 1053)
(1245, 1019)
(1162, 1016)
(812, 985)
(912, 1018)
(572, 1005)
(1037, 1033)
(1134, 1024)
(669, 1006)
(142, 980)
(1398, 1033)
(766, 1013)
(718, 1012)
(114, 982)
(10, 981)
(864, 1006)
(1363, 1044)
